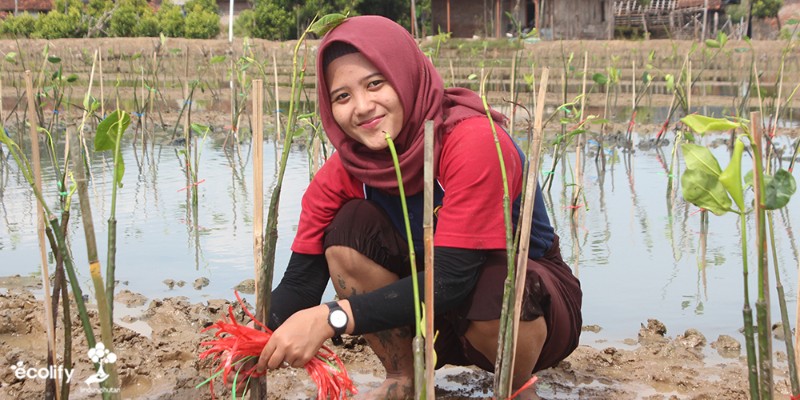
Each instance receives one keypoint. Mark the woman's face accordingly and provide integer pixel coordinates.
(363, 102)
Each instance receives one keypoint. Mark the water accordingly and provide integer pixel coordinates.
(636, 248)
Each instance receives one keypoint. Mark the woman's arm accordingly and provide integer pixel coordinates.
(301, 287)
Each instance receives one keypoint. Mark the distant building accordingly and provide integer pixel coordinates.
(7, 7)
(557, 19)
(666, 15)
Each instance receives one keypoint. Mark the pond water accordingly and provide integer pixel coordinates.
(636, 246)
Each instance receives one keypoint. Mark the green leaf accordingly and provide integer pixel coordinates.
(528, 79)
(722, 38)
(326, 23)
(11, 57)
(217, 60)
(54, 59)
(72, 78)
(472, 77)
(200, 129)
(700, 158)
(731, 178)
(705, 191)
(778, 189)
(670, 79)
(712, 44)
(702, 124)
(108, 130)
(599, 78)
(792, 21)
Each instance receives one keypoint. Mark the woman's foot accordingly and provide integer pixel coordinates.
(392, 388)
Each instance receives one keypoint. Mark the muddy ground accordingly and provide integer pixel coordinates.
(157, 342)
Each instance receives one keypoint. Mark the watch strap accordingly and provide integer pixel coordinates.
(334, 306)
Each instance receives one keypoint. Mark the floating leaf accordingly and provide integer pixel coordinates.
(599, 79)
(472, 77)
(217, 60)
(54, 59)
(731, 178)
(700, 158)
(711, 43)
(72, 78)
(705, 191)
(778, 189)
(11, 57)
(326, 23)
(702, 124)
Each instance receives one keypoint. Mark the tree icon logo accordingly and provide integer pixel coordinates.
(101, 355)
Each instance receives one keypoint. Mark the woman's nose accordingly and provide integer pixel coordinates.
(363, 104)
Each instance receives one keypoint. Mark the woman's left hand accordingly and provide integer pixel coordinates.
(297, 340)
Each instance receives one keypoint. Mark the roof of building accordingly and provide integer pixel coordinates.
(26, 5)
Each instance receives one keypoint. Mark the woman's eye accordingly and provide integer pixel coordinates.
(375, 83)
(340, 97)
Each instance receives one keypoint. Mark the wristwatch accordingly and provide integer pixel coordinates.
(337, 318)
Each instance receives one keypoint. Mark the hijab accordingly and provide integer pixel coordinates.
(421, 91)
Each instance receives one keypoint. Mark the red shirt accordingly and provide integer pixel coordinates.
(468, 172)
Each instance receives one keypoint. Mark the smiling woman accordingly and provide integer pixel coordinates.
(373, 80)
(363, 103)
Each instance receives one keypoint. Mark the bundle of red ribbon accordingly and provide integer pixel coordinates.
(236, 344)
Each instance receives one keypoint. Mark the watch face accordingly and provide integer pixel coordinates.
(338, 318)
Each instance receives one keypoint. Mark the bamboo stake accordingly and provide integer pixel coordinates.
(259, 389)
(277, 99)
(94, 271)
(37, 174)
(427, 227)
(527, 214)
(579, 141)
(258, 176)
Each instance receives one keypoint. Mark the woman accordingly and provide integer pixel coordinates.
(373, 80)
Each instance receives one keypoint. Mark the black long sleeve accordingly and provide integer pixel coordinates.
(455, 274)
(301, 287)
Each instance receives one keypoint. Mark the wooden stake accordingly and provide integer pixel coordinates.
(258, 176)
(527, 213)
(37, 174)
(258, 389)
(427, 227)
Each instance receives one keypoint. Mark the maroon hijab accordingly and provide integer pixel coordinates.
(421, 90)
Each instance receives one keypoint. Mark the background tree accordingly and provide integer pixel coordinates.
(170, 19)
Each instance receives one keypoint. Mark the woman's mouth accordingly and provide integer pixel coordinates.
(371, 123)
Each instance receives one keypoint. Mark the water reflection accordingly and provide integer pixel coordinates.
(640, 250)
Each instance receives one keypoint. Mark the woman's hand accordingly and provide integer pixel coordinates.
(297, 340)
